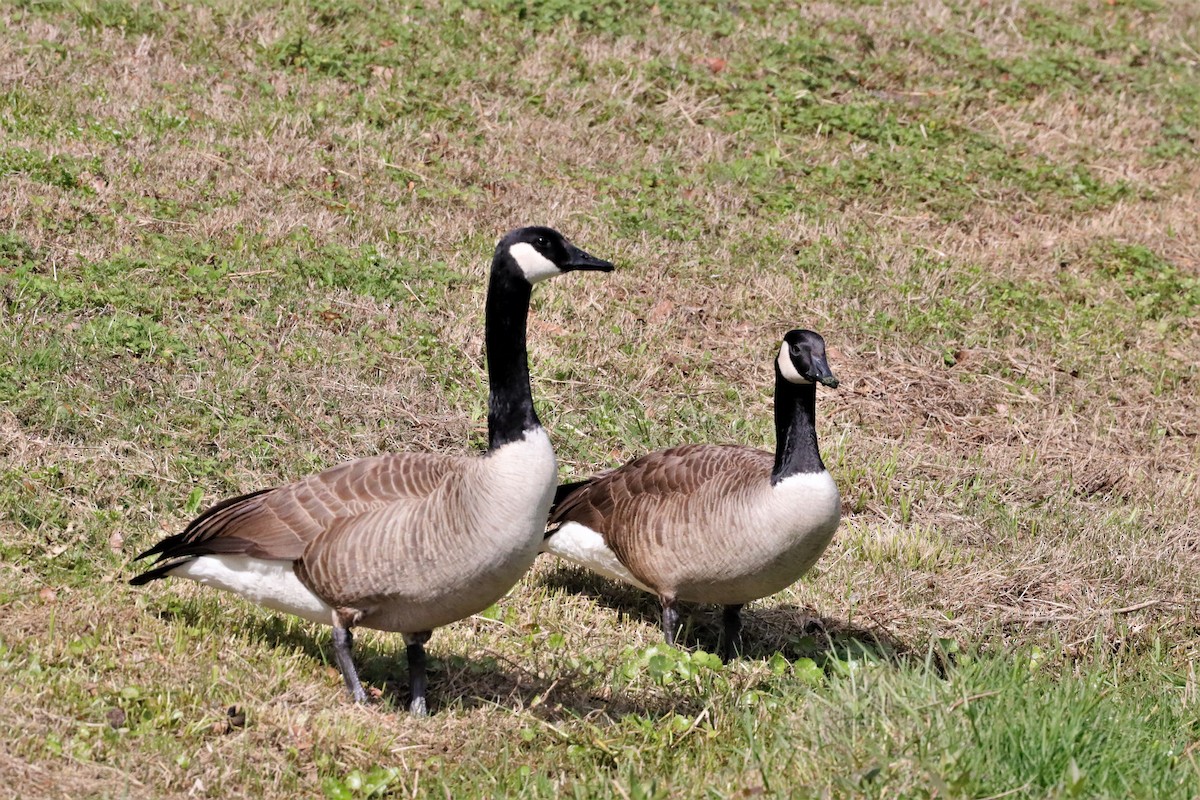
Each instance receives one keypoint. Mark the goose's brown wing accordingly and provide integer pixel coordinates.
(279, 523)
(637, 507)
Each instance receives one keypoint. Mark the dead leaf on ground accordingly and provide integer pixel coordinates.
(661, 310)
(541, 326)
(715, 65)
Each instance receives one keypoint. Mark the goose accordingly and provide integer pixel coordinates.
(405, 542)
(707, 523)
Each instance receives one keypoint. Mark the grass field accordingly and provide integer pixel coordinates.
(243, 241)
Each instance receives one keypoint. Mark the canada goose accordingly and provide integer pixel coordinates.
(410, 541)
(713, 523)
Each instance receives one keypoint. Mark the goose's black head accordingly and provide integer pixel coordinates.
(538, 253)
(802, 359)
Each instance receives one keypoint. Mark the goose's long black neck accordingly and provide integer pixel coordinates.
(510, 400)
(796, 449)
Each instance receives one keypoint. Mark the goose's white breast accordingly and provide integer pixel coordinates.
(808, 501)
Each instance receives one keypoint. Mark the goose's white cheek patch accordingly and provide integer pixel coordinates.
(535, 266)
(787, 369)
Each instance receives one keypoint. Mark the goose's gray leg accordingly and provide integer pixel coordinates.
(343, 642)
(731, 634)
(670, 619)
(418, 681)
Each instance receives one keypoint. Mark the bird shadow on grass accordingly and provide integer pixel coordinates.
(455, 681)
(793, 631)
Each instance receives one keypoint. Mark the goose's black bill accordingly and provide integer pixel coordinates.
(581, 260)
(822, 373)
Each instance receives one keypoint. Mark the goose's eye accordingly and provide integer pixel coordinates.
(795, 351)
(541, 242)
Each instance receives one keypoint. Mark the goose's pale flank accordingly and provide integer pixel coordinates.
(405, 542)
(707, 523)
